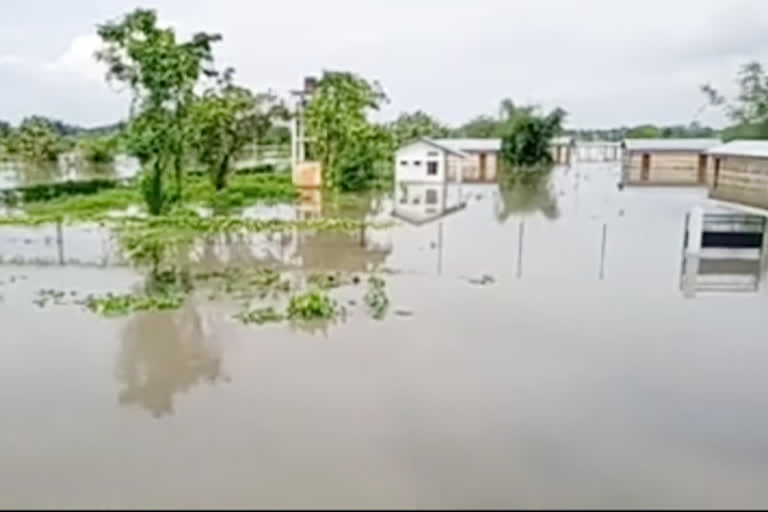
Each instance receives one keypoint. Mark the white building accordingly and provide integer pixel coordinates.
(439, 160)
(424, 161)
(421, 203)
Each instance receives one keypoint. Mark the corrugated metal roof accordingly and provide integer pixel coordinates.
(670, 144)
(753, 148)
(436, 144)
(470, 145)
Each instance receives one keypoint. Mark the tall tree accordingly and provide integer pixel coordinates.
(162, 74)
(749, 109)
(412, 125)
(526, 141)
(36, 141)
(481, 127)
(225, 120)
(345, 142)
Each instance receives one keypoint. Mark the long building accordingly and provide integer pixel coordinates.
(666, 161)
(739, 171)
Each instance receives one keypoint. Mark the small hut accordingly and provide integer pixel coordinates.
(666, 161)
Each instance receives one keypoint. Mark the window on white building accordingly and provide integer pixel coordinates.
(431, 168)
(431, 196)
(403, 162)
(417, 163)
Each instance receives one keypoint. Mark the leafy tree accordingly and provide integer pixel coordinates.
(5, 129)
(162, 74)
(345, 142)
(225, 120)
(410, 126)
(526, 139)
(481, 127)
(646, 131)
(36, 141)
(99, 148)
(267, 110)
(749, 109)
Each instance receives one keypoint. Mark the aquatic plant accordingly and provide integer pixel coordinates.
(376, 298)
(313, 305)
(260, 316)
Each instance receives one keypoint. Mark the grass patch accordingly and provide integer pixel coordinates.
(313, 305)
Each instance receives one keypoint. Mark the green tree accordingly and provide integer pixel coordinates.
(646, 131)
(267, 110)
(225, 120)
(345, 142)
(526, 139)
(413, 125)
(162, 74)
(98, 149)
(5, 129)
(481, 127)
(36, 141)
(749, 109)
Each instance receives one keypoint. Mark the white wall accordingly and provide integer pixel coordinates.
(407, 170)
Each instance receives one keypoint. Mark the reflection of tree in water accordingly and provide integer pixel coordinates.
(163, 354)
(525, 193)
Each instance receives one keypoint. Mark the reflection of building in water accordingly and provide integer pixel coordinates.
(164, 354)
(420, 203)
(597, 151)
(722, 251)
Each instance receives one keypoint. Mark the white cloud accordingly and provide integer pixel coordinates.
(79, 59)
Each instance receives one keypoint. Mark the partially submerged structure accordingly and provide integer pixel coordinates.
(739, 171)
(666, 161)
(442, 160)
(561, 149)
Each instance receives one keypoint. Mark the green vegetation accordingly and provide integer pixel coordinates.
(344, 141)
(36, 141)
(376, 298)
(749, 109)
(99, 149)
(162, 74)
(527, 135)
(112, 305)
(260, 316)
(410, 126)
(313, 305)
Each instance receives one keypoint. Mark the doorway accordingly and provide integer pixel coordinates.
(716, 177)
(482, 162)
(702, 169)
(645, 169)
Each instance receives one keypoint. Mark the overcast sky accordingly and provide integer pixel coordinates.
(607, 62)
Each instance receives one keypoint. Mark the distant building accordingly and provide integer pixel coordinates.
(562, 150)
(454, 160)
(739, 171)
(481, 159)
(666, 161)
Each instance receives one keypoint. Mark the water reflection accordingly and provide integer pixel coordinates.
(68, 167)
(163, 354)
(525, 196)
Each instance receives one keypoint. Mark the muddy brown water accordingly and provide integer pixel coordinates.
(547, 387)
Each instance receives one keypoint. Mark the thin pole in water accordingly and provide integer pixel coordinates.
(60, 242)
(440, 248)
(520, 249)
(602, 251)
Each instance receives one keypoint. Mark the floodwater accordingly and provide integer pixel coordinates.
(68, 167)
(580, 375)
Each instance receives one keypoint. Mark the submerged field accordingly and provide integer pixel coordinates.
(531, 349)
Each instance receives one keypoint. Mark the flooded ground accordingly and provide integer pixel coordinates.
(577, 373)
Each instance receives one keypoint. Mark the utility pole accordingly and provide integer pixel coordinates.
(298, 129)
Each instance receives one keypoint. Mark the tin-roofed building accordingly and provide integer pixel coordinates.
(666, 161)
(739, 171)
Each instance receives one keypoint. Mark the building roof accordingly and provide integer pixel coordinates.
(670, 144)
(561, 141)
(753, 148)
(470, 145)
(438, 144)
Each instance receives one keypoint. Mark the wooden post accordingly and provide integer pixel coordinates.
(60, 242)
(602, 251)
(521, 233)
